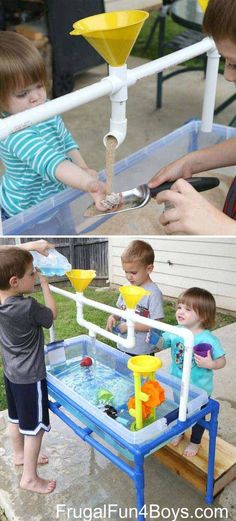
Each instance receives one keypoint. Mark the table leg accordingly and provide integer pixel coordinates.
(139, 483)
(213, 424)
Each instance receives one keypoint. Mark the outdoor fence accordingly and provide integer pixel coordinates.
(82, 253)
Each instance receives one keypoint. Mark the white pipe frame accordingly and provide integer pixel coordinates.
(115, 85)
(129, 342)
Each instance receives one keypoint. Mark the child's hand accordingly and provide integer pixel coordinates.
(123, 328)
(205, 362)
(98, 193)
(42, 246)
(111, 322)
(42, 278)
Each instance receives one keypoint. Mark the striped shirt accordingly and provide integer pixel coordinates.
(30, 158)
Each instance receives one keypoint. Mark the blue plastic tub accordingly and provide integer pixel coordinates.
(108, 375)
(63, 214)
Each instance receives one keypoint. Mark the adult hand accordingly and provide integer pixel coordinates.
(173, 171)
(191, 213)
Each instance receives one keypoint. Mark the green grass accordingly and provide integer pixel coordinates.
(172, 29)
(66, 325)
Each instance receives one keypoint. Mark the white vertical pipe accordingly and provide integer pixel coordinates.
(118, 121)
(52, 334)
(185, 382)
(213, 59)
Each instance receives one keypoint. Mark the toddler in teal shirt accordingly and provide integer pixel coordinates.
(196, 310)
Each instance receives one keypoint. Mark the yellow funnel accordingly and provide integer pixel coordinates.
(132, 295)
(112, 34)
(80, 279)
(203, 4)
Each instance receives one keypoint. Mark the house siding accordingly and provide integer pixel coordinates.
(181, 263)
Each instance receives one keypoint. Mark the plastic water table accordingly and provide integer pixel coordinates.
(77, 389)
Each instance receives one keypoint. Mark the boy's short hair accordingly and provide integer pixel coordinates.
(138, 251)
(13, 262)
(220, 20)
(21, 65)
(202, 302)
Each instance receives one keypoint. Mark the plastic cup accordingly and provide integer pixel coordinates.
(202, 349)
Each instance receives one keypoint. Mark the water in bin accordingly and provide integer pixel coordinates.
(54, 264)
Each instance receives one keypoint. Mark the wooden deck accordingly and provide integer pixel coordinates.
(194, 470)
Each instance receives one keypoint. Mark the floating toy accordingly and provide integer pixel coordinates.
(150, 395)
(105, 396)
(86, 361)
(110, 411)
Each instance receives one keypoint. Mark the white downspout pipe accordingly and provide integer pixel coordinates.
(118, 121)
(213, 59)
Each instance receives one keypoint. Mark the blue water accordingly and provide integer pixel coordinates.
(50, 272)
(88, 381)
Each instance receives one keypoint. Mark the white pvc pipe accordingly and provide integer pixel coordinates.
(133, 318)
(111, 85)
(108, 85)
(118, 121)
(128, 342)
(169, 60)
(57, 106)
(52, 334)
(213, 59)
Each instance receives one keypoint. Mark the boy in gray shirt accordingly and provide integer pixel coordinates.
(138, 262)
(22, 342)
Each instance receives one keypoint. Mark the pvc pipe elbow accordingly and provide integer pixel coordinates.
(118, 131)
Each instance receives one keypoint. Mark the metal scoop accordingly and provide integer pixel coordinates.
(141, 195)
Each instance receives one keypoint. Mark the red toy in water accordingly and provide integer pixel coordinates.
(86, 361)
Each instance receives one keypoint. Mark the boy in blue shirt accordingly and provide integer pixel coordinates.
(196, 310)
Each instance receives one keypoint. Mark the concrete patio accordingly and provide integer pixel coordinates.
(86, 480)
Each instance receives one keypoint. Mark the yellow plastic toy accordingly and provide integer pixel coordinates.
(132, 295)
(80, 279)
(148, 396)
(112, 34)
(203, 4)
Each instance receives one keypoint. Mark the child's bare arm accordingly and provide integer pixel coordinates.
(47, 295)
(85, 180)
(208, 362)
(42, 246)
